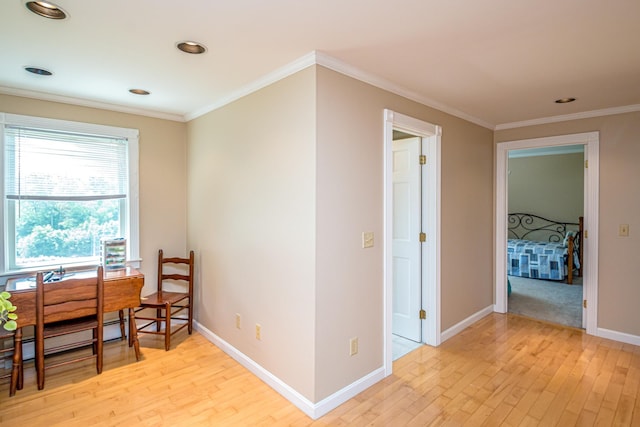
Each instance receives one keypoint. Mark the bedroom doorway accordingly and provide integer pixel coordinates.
(590, 141)
(407, 214)
(545, 193)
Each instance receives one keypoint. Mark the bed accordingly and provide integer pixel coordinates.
(540, 248)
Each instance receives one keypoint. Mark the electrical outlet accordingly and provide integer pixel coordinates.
(238, 321)
(623, 231)
(353, 346)
(258, 331)
(367, 239)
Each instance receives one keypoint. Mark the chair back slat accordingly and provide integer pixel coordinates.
(69, 298)
(175, 277)
(163, 275)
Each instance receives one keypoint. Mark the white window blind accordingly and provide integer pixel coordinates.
(53, 165)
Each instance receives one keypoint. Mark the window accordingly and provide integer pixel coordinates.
(66, 186)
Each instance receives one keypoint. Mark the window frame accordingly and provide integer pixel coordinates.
(132, 229)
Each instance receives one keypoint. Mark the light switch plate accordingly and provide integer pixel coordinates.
(367, 239)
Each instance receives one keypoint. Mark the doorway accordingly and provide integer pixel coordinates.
(406, 244)
(545, 183)
(427, 136)
(590, 141)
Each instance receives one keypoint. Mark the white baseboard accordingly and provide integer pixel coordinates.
(618, 336)
(613, 335)
(313, 410)
(460, 326)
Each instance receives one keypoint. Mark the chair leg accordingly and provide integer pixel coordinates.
(158, 316)
(167, 326)
(17, 376)
(121, 317)
(40, 362)
(190, 325)
(20, 360)
(99, 349)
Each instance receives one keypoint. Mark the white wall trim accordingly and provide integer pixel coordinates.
(264, 81)
(327, 61)
(462, 325)
(618, 336)
(311, 58)
(313, 410)
(379, 82)
(89, 103)
(575, 116)
(339, 397)
(591, 204)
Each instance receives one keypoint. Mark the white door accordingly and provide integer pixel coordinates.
(407, 283)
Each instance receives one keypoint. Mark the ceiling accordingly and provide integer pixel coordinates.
(497, 63)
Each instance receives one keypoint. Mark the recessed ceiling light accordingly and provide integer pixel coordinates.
(191, 47)
(564, 100)
(139, 92)
(46, 9)
(38, 71)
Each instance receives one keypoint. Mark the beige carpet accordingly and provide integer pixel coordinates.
(550, 301)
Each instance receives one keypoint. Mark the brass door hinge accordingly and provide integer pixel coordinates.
(586, 234)
(586, 164)
(423, 237)
(423, 159)
(423, 314)
(584, 303)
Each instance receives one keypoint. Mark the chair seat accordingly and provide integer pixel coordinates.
(160, 299)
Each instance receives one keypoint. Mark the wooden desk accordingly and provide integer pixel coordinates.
(121, 291)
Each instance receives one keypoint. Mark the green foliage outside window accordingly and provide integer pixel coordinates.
(52, 230)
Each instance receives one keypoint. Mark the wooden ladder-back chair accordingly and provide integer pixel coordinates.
(168, 304)
(16, 373)
(65, 307)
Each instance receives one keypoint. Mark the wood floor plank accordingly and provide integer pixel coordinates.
(504, 370)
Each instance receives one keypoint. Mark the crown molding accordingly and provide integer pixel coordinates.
(327, 61)
(89, 103)
(374, 80)
(567, 117)
(272, 77)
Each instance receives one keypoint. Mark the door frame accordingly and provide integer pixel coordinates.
(431, 140)
(591, 141)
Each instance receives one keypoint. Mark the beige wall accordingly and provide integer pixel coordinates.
(281, 184)
(550, 186)
(349, 285)
(252, 187)
(618, 291)
(162, 170)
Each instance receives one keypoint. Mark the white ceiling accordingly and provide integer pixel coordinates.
(494, 62)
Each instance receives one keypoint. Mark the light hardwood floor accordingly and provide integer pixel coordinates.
(504, 370)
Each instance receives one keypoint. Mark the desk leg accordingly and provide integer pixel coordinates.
(133, 333)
